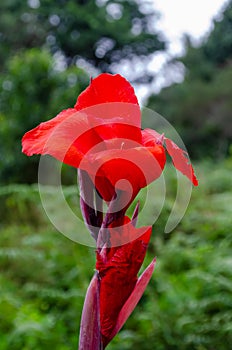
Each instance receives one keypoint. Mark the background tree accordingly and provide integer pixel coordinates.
(102, 32)
(215, 51)
(200, 107)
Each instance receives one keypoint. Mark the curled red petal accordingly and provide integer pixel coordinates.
(106, 88)
(151, 138)
(179, 156)
(181, 161)
(127, 170)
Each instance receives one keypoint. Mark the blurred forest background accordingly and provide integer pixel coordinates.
(48, 51)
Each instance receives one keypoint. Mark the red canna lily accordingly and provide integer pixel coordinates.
(102, 135)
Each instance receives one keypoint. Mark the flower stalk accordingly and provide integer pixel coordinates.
(90, 333)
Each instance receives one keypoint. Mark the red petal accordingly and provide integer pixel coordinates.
(179, 157)
(112, 106)
(151, 138)
(106, 88)
(67, 137)
(181, 161)
(34, 141)
(90, 335)
(133, 299)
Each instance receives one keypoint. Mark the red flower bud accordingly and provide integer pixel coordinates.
(118, 267)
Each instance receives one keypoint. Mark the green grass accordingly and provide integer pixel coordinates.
(187, 305)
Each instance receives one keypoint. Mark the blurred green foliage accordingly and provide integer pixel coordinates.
(43, 275)
(32, 90)
(200, 108)
(187, 304)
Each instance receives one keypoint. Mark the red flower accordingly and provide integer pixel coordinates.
(102, 135)
(118, 267)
